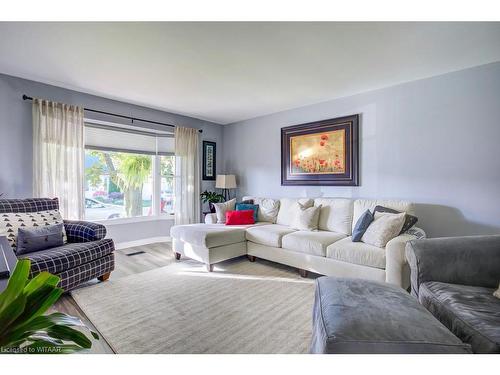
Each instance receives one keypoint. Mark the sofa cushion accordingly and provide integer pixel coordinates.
(62, 258)
(357, 252)
(209, 235)
(472, 313)
(285, 213)
(314, 243)
(335, 215)
(269, 235)
(361, 205)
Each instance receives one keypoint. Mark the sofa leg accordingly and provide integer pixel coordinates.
(251, 258)
(210, 267)
(177, 256)
(104, 277)
(302, 273)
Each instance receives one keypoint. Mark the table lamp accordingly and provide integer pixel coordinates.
(225, 182)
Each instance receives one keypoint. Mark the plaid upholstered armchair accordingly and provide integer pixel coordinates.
(85, 256)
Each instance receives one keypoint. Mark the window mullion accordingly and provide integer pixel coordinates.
(156, 185)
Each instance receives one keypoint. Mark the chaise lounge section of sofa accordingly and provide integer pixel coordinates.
(328, 251)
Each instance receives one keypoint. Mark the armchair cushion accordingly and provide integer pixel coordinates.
(62, 258)
(84, 231)
(472, 313)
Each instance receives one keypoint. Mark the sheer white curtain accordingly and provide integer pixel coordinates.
(187, 187)
(58, 155)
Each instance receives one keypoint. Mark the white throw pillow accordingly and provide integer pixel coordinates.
(222, 208)
(383, 228)
(305, 218)
(496, 293)
(11, 222)
(268, 209)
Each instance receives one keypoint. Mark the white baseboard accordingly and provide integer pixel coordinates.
(144, 241)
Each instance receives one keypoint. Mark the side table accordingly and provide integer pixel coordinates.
(8, 254)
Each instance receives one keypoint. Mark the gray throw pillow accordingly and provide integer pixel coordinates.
(39, 238)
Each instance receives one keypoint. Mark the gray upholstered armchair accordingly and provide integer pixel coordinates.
(454, 278)
(85, 256)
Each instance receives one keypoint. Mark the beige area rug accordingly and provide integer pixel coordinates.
(241, 307)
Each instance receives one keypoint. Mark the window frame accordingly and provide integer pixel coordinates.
(155, 173)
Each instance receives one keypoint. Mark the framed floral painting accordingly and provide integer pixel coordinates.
(321, 153)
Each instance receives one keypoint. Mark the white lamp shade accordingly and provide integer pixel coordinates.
(225, 181)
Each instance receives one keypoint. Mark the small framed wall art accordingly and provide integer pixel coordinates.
(321, 153)
(209, 161)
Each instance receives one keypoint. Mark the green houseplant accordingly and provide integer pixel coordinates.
(24, 327)
(211, 197)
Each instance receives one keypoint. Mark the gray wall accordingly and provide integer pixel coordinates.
(16, 138)
(435, 142)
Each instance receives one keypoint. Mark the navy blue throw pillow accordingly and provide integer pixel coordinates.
(361, 226)
(39, 238)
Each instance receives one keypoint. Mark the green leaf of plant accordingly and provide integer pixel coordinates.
(16, 283)
(10, 313)
(42, 279)
(23, 329)
(69, 334)
(67, 320)
(44, 337)
(39, 302)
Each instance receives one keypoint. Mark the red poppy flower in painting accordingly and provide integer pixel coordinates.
(322, 143)
(322, 161)
(324, 137)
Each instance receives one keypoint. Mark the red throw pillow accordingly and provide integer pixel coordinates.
(242, 217)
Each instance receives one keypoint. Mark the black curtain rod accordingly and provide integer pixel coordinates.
(26, 97)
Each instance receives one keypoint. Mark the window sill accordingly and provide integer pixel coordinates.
(129, 220)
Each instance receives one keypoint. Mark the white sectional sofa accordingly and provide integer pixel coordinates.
(328, 251)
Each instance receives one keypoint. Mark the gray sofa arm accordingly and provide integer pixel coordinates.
(473, 260)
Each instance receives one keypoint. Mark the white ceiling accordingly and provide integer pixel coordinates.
(226, 72)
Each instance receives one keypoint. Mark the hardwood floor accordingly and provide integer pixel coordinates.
(150, 257)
